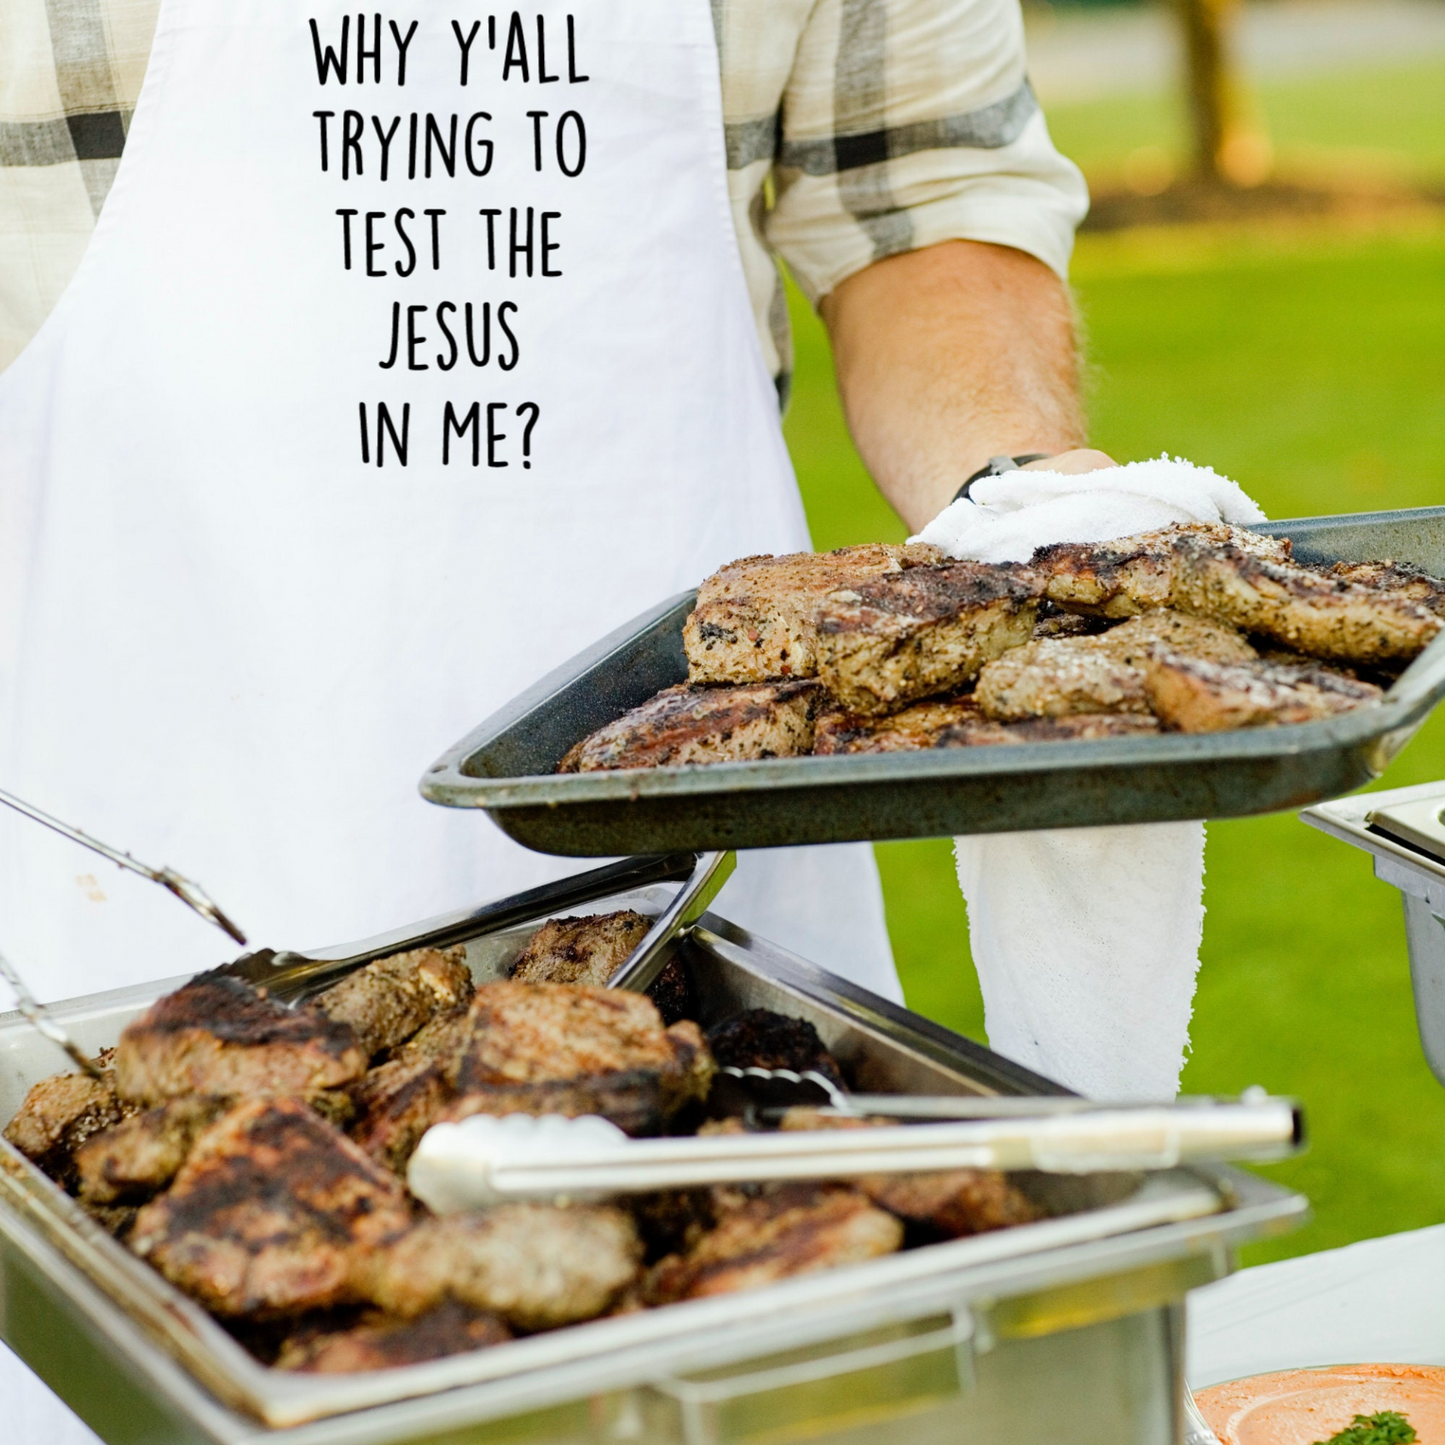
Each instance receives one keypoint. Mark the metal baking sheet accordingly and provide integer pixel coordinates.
(507, 766)
(142, 1362)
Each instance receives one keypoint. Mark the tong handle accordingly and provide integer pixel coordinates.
(639, 972)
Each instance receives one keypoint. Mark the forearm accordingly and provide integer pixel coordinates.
(948, 356)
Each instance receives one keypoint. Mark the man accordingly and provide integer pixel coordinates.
(412, 351)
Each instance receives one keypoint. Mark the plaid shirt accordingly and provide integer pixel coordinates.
(855, 129)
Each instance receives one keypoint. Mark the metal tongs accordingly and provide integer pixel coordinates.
(486, 1160)
(189, 892)
(290, 976)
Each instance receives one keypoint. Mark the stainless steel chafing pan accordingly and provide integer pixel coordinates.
(507, 766)
(1071, 1324)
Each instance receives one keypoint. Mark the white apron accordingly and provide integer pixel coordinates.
(237, 625)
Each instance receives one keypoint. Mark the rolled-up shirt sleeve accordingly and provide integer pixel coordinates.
(910, 122)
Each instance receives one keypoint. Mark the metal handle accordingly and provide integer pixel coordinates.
(190, 893)
(1196, 1427)
(291, 975)
(650, 957)
(36, 1012)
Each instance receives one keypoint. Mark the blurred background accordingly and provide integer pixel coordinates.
(1262, 286)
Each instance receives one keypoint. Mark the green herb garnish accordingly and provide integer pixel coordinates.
(1387, 1427)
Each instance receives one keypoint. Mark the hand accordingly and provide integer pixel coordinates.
(1081, 459)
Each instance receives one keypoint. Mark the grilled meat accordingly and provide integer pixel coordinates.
(567, 1049)
(382, 1342)
(788, 1230)
(1323, 616)
(960, 723)
(440, 1041)
(1067, 676)
(133, 1160)
(389, 1000)
(396, 1103)
(694, 725)
(754, 618)
(220, 1037)
(581, 950)
(1196, 696)
(272, 1214)
(947, 1204)
(58, 1115)
(943, 723)
(1133, 574)
(590, 950)
(536, 1265)
(761, 1039)
(891, 640)
(1054, 623)
(1396, 578)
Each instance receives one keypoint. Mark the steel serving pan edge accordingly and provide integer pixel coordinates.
(181, 1365)
(506, 766)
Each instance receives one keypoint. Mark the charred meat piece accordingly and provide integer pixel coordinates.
(761, 1039)
(687, 725)
(1195, 696)
(1132, 574)
(946, 1204)
(220, 1037)
(960, 723)
(581, 950)
(590, 950)
(1323, 616)
(140, 1156)
(1082, 727)
(396, 1103)
(58, 1115)
(1053, 623)
(382, 1342)
(440, 1041)
(116, 1219)
(789, 1230)
(271, 1214)
(1061, 678)
(1067, 676)
(1396, 578)
(536, 1265)
(892, 640)
(390, 999)
(940, 724)
(754, 619)
(567, 1049)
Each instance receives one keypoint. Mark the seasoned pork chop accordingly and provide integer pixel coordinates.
(1132, 574)
(690, 725)
(536, 1265)
(787, 1230)
(581, 950)
(1395, 577)
(59, 1114)
(754, 619)
(1066, 676)
(272, 1214)
(1195, 696)
(960, 723)
(948, 1203)
(389, 1000)
(568, 1049)
(396, 1103)
(1323, 616)
(218, 1036)
(140, 1156)
(892, 640)
(382, 1342)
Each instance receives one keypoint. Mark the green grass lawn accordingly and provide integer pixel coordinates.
(1311, 367)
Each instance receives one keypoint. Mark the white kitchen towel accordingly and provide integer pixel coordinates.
(1005, 517)
(1087, 940)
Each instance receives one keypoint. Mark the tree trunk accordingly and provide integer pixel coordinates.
(1229, 148)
